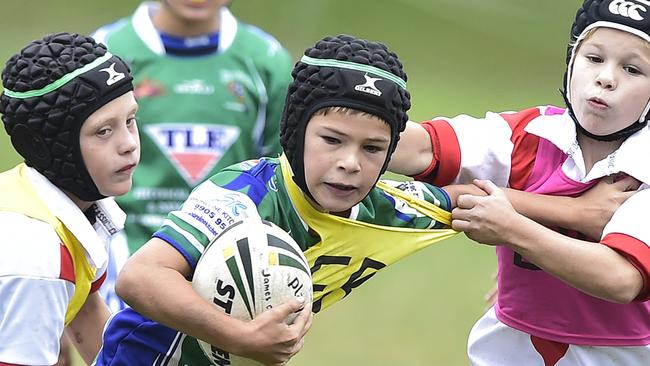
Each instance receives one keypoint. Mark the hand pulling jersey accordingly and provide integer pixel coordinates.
(536, 150)
(197, 114)
(259, 189)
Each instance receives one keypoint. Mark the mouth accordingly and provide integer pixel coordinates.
(341, 189)
(127, 168)
(597, 103)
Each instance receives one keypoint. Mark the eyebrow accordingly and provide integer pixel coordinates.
(368, 139)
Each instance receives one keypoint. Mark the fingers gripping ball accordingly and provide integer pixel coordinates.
(251, 267)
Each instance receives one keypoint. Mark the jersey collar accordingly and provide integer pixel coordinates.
(559, 129)
(145, 29)
(74, 219)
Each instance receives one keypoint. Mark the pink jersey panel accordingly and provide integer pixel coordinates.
(537, 303)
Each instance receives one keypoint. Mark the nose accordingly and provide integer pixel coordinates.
(130, 140)
(349, 162)
(606, 78)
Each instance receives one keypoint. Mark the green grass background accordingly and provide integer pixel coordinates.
(462, 56)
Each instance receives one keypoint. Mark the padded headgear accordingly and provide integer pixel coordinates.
(50, 88)
(343, 71)
(630, 16)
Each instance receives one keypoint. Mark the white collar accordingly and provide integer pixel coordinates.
(145, 29)
(74, 219)
(560, 131)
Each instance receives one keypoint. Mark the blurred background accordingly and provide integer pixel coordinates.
(462, 57)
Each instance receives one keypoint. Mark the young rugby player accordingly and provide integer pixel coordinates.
(564, 298)
(69, 109)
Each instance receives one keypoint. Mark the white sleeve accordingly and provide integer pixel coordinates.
(631, 218)
(33, 299)
(486, 148)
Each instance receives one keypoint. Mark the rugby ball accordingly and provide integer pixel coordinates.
(249, 268)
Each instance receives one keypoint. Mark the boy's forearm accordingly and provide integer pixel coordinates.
(556, 211)
(590, 267)
(165, 296)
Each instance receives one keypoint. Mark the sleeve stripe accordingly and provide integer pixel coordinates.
(637, 252)
(67, 267)
(97, 284)
(189, 232)
(525, 146)
(447, 168)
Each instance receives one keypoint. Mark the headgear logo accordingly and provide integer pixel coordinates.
(113, 76)
(369, 86)
(627, 9)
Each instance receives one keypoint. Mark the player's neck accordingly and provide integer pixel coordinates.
(167, 22)
(594, 151)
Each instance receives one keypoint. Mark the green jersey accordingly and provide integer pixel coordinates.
(198, 114)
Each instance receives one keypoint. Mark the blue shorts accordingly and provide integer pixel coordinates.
(131, 339)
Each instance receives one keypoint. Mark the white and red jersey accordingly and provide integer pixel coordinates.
(535, 150)
(37, 276)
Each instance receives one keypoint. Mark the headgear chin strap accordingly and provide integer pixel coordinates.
(346, 72)
(631, 16)
(51, 87)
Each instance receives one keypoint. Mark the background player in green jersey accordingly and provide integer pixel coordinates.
(210, 90)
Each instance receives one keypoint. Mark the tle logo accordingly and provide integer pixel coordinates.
(192, 148)
(627, 9)
(369, 86)
(113, 76)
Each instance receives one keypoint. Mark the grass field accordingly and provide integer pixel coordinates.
(462, 56)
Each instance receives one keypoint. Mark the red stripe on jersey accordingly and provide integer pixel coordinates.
(97, 284)
(67, 266)
(8, 364)
(550, 351)
(441, 172)
(524, 146)
(637, 252)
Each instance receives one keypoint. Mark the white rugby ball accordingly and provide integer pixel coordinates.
(249, 268)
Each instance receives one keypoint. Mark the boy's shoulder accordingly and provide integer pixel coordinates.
(254, 169)
(256, 178)
(264, 50)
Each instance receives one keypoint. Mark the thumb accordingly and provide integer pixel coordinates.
(292, 306)
(486, 185)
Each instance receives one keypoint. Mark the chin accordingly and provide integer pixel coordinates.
(116, 191)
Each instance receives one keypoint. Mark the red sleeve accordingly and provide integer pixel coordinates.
(97, 284)
(524, 146)
(637, 252)
(441, 171)
(67, 267)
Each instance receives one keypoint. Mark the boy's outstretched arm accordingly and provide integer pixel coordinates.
(154, 283)
(593, 268)
(414, 152)
(587, 213)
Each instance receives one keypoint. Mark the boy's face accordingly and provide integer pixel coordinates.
(110, 145)
(343, 157)
(610, 85)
